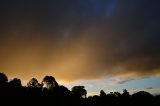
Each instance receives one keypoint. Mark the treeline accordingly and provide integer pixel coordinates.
(50, 93)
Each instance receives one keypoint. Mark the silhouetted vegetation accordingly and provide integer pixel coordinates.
(50, 93)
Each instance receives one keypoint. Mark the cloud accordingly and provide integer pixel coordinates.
(80, 40)
(124, 81)
(150, 88)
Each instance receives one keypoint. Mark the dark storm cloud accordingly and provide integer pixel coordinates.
(90, 38)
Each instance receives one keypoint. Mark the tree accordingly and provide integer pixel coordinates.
(125, 94)
(33, 83)
(62, 91)
(142, 94)
(15, 82)
(102, 93)
(49, 82)
(79, 91)
(3, 83)
(117, 94)
(143, 97)
(3, 78)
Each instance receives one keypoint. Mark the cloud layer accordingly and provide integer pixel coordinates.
(80, 40)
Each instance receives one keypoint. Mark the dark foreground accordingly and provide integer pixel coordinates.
(50, 93)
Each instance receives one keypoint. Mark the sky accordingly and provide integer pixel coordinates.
(102, 44)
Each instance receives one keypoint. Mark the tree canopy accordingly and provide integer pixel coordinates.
(49, 92)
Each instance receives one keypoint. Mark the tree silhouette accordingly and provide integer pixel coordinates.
(15, 82)
(62, 91)
(79, 91)
(3, 84)
(125, 93)
(142, 94)
(3, 78)
(143, 98)
(117, 94)
(59, 95)
(15, 87)
(102, 93)
(49, 82)
(33, 83)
